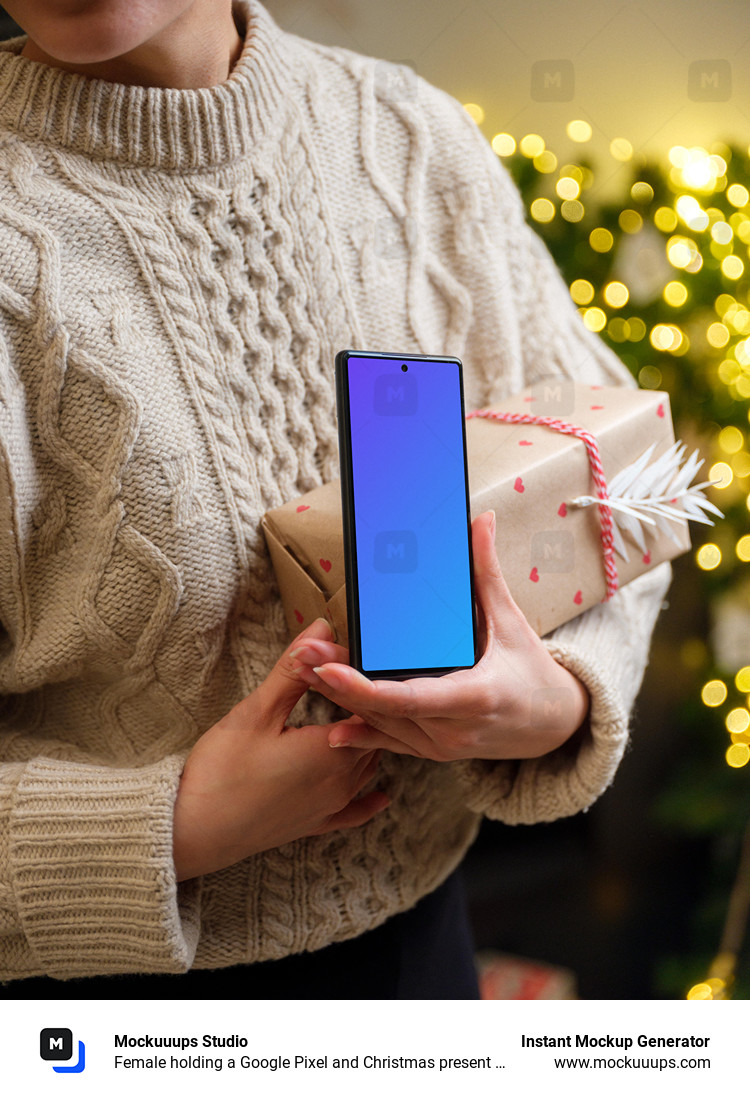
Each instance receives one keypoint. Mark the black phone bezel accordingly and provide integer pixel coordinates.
(347, 508)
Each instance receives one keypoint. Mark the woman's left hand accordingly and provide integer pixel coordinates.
(516, 703)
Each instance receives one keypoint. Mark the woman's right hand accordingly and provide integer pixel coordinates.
(252, 783)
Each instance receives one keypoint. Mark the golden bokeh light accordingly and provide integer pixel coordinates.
(531, 145)
(738, 720)
(568, 188)
(618, 330)
(504, 145)
(542, 210)
(714, 693)
(572, 210)
(708, 556)
(601, 240)
(669, 338)
(637, 331)
(722, 232)
(741, 464)
(545, 162)
(742, 549)
(595, 319)
(582, 292)
(683, 252)
(641, 192)
(737, 755)
(621, 149)
(731, 439)
(742, 679)
(738, 195)
(717, 335)
(732, 266)
(722, 473)
(675, 294)
(649, 377)
(616, 295)
(691, 212)
(665, 219)
(579, 130)
(630, 221)
(474, 111)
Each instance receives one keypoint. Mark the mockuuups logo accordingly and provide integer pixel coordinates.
(56, 1045)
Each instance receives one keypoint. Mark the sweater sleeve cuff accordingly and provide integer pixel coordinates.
(560, 784)
(92, 870)
(606, 649)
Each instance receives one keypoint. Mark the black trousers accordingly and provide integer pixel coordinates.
(426, 953)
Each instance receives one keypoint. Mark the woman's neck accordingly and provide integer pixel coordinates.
(197, 50)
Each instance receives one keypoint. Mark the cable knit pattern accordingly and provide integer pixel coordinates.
(179, 269)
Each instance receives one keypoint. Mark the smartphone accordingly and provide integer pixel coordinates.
(406, 511)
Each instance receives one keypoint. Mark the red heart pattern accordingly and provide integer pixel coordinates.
(534, 575)
(646, 559)
(597, 406)
(525, 443)
(325, 564)
(660, 410)
(578, 598)
(303, 507)
(519, 485)
(562, 510)
(300, 617)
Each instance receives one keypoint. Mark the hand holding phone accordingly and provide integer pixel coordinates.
(517, 702)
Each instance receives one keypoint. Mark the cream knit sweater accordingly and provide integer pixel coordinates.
(177, 271)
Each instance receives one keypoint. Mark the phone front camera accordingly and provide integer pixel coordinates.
(404, 367)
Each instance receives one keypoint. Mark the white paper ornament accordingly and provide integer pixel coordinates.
(653, 495)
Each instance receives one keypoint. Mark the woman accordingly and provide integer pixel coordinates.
(197, 210)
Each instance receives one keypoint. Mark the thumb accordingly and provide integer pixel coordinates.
(492, 592)
(282, 689)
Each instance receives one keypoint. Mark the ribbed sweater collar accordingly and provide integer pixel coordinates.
(153, 127)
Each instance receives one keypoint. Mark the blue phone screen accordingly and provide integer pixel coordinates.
(410, 514)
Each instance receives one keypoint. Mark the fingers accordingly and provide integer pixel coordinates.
(358, 812)
(316, 651)
(366, 770)
(366, 738)
(279, 693)
(409, 700)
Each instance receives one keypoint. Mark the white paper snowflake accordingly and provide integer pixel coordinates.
(655, 494)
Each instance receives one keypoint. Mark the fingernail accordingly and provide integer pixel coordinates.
(493, 522)
(328, 676)
(337, 744)
(304, 672)
(321, 628)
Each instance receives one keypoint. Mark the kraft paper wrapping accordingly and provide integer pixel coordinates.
(550, 550)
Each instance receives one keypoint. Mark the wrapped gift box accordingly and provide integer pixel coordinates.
(510, 978)
(550, 549)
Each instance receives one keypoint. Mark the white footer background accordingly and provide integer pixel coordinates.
(490, 1032)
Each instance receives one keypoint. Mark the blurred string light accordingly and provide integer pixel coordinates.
(579, 130)
(702, 212)
(684, 312)
(475, 111)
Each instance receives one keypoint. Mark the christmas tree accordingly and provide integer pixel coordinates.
(662, 271)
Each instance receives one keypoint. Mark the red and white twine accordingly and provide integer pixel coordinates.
(597, 474)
